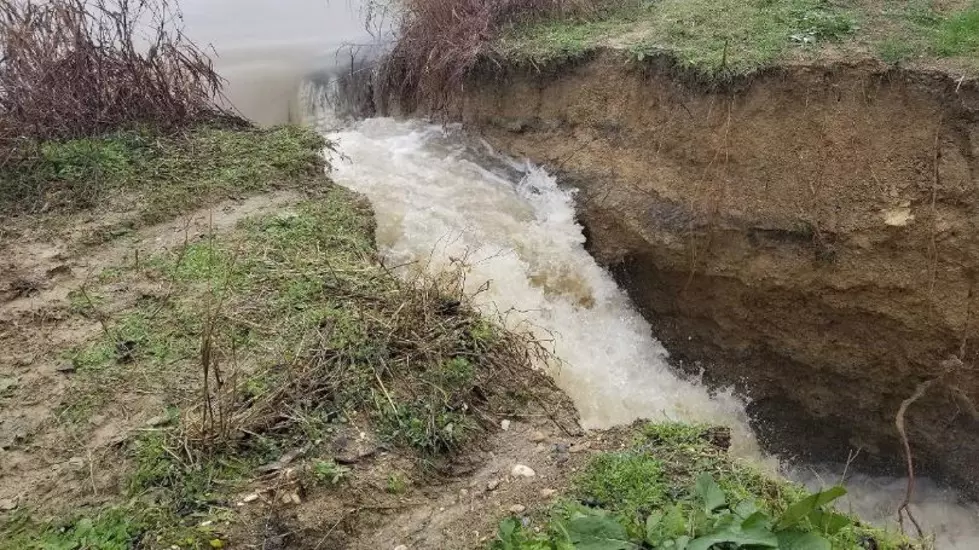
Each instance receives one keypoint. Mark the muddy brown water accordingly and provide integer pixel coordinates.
(264, 48)
(437, 197)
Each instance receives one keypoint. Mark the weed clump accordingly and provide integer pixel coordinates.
(352, 338)
(80, 68)
(440, 41)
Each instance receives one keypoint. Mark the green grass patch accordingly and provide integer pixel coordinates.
(724, 37)
(712, 36)
(166, 174)
(676, 488)
(109, 529)
(959, 34)
(920, 29)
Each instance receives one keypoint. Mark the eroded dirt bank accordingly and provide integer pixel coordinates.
(808, 234)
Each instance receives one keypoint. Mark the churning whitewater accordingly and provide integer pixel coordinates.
(516, 230)
(439, 202)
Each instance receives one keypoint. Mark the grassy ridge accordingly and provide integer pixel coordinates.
(731, 36)
(165, 174)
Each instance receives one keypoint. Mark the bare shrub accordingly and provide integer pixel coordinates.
(440, 41)
(78, 68)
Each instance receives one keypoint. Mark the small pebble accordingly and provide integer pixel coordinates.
(547, 493)
(522, 471)
(537, 437)
(505, 425)
(400, 547)
(518, 509)
(493, 484)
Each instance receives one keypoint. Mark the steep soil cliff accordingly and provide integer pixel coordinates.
(809, 234)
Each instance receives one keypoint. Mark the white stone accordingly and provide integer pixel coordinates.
(522, 471)
(518, 509)
(897, 217)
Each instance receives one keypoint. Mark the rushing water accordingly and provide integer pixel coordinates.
(516, 228)
(438, 199)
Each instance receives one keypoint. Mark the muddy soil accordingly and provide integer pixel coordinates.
(46, 456)
(459, 508)
(809, 234)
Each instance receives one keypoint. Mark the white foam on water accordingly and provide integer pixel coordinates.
(434, 204)
(438, 200)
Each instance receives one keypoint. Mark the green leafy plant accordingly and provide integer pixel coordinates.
(713, 523)
(109, 529)
(328, 472)
(397, 484)
(744, 525)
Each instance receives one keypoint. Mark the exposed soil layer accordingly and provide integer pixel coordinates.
(809, 235)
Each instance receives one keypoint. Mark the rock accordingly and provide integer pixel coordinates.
(283, 461)
(248, 498)
(537, 437)
(505, 425)
(897, 217)
(400, 547)
(463, 492)
(518, 509)
(76, 462)
(7, 383)
(7, 504)
(349, 448)
(493, 484)
(562, 453)
(522, 471)
(547, 493)
(158, 421)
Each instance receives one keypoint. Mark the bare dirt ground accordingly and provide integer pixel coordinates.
(44, 454)
(458, 509)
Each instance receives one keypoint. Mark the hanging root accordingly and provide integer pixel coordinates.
(904, 510)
